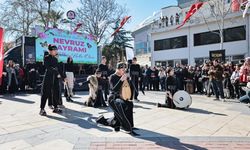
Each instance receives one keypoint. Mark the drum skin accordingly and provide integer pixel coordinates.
(182, 99)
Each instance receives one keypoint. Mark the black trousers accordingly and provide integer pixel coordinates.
(99, 100)
(134, 87)
(123, 114)
(105, 86)
(52, 93)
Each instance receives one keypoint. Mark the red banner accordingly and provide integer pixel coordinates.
(1, 55)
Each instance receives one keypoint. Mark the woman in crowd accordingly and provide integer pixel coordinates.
(69, 71)
(12, 77)
(205, 78)
(162, 76)
(245, 71)
(235, 80)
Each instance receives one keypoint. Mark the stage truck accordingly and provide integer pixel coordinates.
(29, 52)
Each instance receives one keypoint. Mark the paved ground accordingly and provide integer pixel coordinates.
(207, 124)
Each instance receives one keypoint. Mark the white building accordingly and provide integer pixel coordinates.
(192, 43)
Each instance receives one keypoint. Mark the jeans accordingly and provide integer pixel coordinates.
(218, 88)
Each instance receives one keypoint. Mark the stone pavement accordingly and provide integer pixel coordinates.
(207, 124)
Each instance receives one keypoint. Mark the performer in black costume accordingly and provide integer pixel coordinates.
(104, 69)
(50, 87)
(95, 90)
(171, 89)
(135, 76)
(123, 109)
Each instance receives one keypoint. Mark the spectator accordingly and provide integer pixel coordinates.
(235, 80)
(166, 18)
(12, 77)
(179, 76)
(205, 78)
(153, 79)
(147, 77)
(172, 20)
(162, 76)
(177, 19)
(198, 80)
(190, 80)
(245, 71)
(20, 77)
(217, 81)
(227, 86)
(162, 21)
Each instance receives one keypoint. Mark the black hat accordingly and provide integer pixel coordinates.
(98, 70)
(121, 65)
(52, 47)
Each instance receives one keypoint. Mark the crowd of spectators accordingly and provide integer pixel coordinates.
(223, 80)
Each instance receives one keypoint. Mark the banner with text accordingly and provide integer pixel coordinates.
(81, 47)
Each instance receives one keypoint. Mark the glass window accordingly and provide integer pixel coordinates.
(230, 34)
(170, 43)
(235, 34)
(206, 38)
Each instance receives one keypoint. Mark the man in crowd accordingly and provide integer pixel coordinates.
(105, 70)
(135, 76)
(217, 81)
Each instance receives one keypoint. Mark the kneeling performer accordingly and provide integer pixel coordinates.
(171, 89)
(119, 102)
(95, 90)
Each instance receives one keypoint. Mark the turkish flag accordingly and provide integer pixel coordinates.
(122, 23)
(78, 26)
(195, 7)
(1, 55)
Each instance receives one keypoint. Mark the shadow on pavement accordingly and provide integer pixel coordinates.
(77, 118)
(77, 102)
(148, 103)
(15, 99)
(158, 139)
(165, 140)
(201, 111)
(138, 106)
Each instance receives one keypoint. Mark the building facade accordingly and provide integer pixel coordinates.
(192, 43)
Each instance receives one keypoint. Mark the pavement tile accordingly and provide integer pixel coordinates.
(15, 145)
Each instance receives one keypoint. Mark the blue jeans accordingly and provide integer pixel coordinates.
(218, 88)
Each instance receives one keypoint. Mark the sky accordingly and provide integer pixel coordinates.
(138, 9)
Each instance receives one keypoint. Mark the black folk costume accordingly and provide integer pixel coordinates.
(105, 82)
(95, 91)
(135, 74)
(51, 81)
(171, 89)
(123, 109)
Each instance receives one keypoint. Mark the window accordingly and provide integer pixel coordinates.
(206, 38)
(235, 34)
(141, 48)
(213, 37)
(170, 43)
